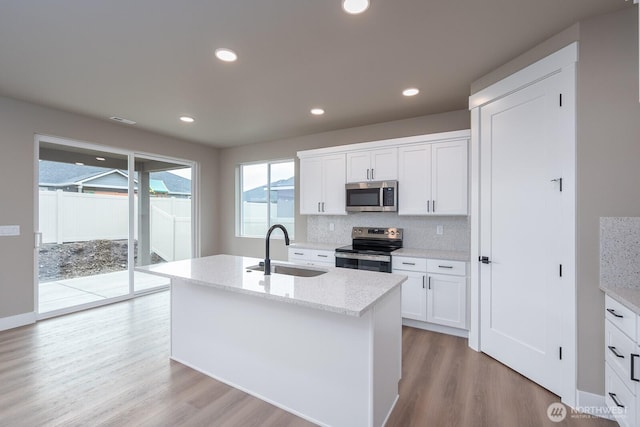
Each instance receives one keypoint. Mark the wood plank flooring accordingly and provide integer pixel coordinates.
(110, 367)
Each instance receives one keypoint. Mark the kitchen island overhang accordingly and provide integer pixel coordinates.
(326, 348)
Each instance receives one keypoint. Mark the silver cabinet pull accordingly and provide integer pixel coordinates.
(428, 203)
(408, 263)
(322, 206)
(433, 206)
(429, 282)
(318, 206)
(372, 173)
(422, 282)
(323, 256)
(445, 266)
(367, 173)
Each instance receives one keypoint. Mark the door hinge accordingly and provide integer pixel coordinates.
(560, 270)
(560, 352)
(561, 100)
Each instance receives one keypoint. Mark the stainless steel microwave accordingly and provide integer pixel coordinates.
(378, 196)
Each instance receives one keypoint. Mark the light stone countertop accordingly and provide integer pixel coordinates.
(340, 290)
(432, 254)
(628, 297)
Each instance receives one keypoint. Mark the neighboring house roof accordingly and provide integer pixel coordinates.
(283, 187)
(56, 174)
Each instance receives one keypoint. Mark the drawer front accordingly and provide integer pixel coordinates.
(409, 264)
(621, 316)
(458, 268)
(312, 257)
(621, 353)
(619, 399)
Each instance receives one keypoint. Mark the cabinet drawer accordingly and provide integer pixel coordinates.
(620, 353)
(619, 399)
(311, 256)
(621, 316)
(409, 264)
(458, 268)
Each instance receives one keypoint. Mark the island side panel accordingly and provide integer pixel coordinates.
(387, 355)
(313, 363)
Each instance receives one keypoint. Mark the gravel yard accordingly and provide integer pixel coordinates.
(78, 259)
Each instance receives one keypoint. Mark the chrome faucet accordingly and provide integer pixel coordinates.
(267, 261)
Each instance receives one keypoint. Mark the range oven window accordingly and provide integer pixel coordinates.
(361, 264)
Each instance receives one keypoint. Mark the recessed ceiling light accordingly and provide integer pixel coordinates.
(226, 55)
(355, 6)
(100, 159)
(79, 163)
(412, 91)
(187, 119)
(317, 111)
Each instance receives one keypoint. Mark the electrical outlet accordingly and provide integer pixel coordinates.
(332, 226)
(9, 230)
(440, 230)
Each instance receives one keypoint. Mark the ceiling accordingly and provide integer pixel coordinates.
(152, 60)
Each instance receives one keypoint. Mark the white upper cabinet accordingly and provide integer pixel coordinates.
(433, 179)
(372, 165)
(322, 180)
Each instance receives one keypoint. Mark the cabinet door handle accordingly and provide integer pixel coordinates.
(318, 206)
(633, 367)
(422, 282)
(298, 253)
(614, 397)
(612, 311)
(445, 266)
(429, 282)
(372, 173)
(323, 256)
(367, 173)
(408, 263)
(322, 206)
(428, 205)
(615, 352)
(433, 206)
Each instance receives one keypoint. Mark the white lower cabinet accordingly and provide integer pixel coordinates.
(435, 291)
(414, 301)
(447, 299)
(622, 363)
(317, 257)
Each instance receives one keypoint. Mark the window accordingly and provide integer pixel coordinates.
(267, 197)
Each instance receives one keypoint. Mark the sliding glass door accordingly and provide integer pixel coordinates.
(101, 212)
(163, 224)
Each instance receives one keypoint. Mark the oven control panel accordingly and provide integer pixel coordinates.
(376, 233)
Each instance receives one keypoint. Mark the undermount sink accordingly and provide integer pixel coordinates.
(289, 270)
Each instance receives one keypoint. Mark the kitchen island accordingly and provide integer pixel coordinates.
(327, 348)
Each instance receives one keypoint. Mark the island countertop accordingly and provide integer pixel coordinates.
(340, 290)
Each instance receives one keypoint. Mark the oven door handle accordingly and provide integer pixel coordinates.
(364, 257)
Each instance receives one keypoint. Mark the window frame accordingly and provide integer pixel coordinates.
(240, 225)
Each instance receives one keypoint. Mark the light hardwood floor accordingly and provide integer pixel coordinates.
(110, 367)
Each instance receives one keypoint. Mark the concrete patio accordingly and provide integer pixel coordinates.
(59, 294)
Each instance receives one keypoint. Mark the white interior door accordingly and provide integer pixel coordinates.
(520, 231)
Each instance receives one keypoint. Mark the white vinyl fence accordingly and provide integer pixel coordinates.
(80, 217)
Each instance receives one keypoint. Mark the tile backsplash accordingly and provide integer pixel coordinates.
(419, 231)
(620, 252)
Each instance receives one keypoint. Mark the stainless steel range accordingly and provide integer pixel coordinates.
(370, 249)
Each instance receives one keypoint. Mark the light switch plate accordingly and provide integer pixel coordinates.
(9, 230)
(440, 230)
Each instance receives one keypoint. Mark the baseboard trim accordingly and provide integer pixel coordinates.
(593, 404)
(463, 333)
(17, 321)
